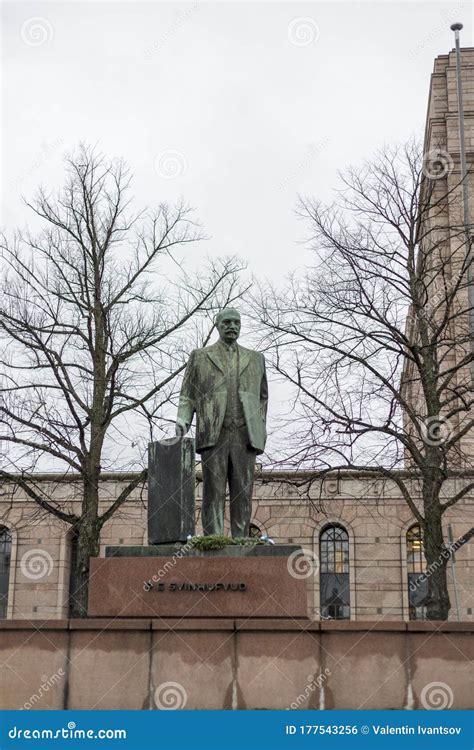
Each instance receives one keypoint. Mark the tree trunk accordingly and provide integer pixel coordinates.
(87, 546)
(438, 604)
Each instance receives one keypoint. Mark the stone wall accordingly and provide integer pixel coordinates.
(234, 664)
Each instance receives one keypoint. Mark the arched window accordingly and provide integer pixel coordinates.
(254, 531)
(5, 556)
(334, 573)
(417, 582)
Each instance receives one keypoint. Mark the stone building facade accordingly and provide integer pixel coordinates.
(357, 533)
(444, 240)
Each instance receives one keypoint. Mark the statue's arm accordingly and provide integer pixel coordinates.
(264, 392)
(186, 406)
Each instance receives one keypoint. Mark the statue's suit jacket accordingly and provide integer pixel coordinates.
(204, 392)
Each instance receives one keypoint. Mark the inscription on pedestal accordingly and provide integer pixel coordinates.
(195, 587)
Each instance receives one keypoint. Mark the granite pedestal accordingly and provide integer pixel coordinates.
(175, 581)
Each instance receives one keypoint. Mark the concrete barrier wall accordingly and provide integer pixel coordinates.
(234, 664)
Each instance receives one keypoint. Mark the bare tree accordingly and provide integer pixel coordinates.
(375, 338)
(97, 313)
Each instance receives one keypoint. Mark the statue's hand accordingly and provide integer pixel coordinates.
(181, 428)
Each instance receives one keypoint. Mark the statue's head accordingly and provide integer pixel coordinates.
(228, 324)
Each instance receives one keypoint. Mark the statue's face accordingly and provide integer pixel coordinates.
(229, 327)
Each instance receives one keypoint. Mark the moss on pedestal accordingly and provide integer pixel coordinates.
(219, 541)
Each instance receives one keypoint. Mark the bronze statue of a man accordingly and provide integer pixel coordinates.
(226, 386)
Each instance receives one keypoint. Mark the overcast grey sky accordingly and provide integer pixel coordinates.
(238, 107)
(235, 106)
